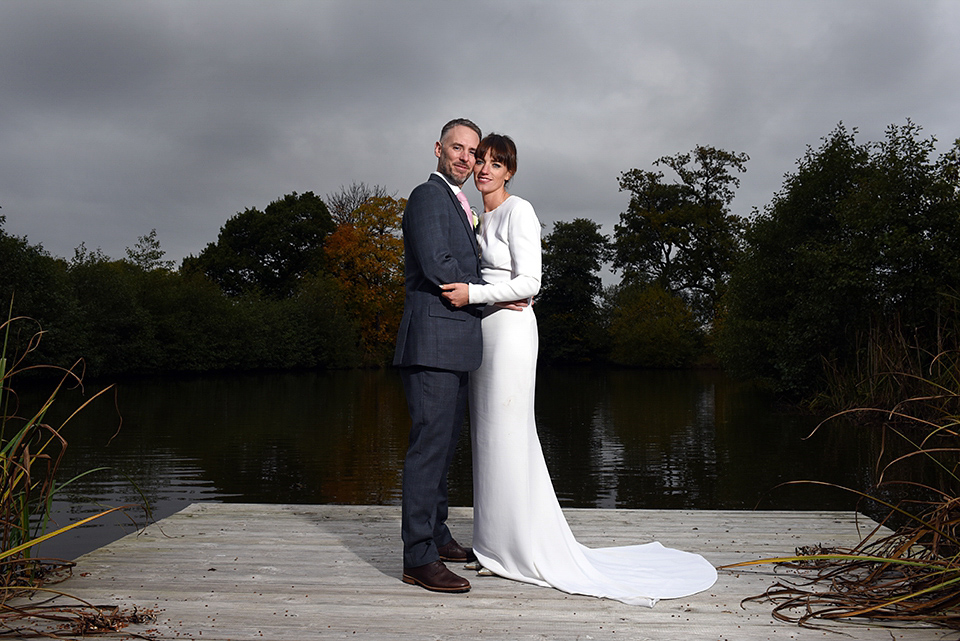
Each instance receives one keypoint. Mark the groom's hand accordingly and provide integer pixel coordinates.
(515, 305)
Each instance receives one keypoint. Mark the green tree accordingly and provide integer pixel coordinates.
(330, 334)
(136, 315)
(850, 260)
(114, 333)
(682, 235)
(651, 327)
(38, 287)
(147, 254)
(267, 252)
(568, 305)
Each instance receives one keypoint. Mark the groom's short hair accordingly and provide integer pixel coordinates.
(460, 122)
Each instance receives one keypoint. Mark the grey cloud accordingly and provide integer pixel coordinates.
(119, 117)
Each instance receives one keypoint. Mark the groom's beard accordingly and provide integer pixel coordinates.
(446, 167)
(453, 180)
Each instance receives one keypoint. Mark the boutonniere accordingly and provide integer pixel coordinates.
(476, 219)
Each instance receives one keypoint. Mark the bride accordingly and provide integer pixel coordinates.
(519, 530)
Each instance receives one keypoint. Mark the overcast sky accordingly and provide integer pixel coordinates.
(118, 117)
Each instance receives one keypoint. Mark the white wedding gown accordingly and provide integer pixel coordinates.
(519, 530)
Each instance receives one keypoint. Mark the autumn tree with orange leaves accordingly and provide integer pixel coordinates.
(366, 259)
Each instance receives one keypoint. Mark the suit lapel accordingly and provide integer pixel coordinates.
(459, 212)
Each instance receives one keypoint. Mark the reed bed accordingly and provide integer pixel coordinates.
(912, 575)
(31, 451)
(894, 360)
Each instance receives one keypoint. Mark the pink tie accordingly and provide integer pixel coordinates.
(466, 208)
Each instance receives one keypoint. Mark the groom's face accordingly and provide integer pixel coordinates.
(457, 153)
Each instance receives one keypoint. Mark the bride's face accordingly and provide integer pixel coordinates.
(490, 175)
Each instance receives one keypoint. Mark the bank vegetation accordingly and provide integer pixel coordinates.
(841, 292)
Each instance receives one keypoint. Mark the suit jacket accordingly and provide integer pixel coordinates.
(439, 246)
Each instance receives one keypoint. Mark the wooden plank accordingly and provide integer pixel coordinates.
(236, 571)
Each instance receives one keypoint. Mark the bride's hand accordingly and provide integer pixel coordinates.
(458, 294)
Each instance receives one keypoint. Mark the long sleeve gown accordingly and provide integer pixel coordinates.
(520, 531)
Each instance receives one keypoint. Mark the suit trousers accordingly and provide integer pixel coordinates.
(437, 401)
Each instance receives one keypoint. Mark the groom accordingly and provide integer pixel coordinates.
(437, 346)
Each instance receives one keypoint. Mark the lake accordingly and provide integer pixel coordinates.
(612, 438)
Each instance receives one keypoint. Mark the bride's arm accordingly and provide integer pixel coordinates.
(524, 246)
(524, 243)
(459, 295)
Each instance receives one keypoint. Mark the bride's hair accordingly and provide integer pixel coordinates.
(502, 150)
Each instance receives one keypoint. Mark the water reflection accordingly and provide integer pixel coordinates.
(612, 438)
(681, 440)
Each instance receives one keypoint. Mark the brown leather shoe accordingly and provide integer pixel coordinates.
(456, 553)
(435, 577)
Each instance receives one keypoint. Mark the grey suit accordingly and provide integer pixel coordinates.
(437, 346)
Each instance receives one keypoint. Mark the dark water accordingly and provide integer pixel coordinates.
(613, 438)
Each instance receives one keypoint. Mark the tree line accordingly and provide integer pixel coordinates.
(852, 270)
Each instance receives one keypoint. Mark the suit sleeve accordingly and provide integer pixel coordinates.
(427, 226)
(525, 261)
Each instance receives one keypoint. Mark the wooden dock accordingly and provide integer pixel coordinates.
(218, 571)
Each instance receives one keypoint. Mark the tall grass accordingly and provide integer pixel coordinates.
(31, 451)
(894, 360)
(908, 571)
